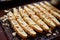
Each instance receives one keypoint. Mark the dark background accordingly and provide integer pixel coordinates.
(14, 3)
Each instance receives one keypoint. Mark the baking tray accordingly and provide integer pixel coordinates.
(8, 30)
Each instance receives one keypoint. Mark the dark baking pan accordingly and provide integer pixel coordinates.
(7, 31)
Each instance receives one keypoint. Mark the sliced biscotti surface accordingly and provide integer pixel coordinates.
(37, 20)
(43, 16)
(31, 22)
(23, 24)
(47, 13)
(17, 27)
(57, 15)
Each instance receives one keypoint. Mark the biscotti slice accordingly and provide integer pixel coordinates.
(33, 8)
(22, 11)
(10, 15)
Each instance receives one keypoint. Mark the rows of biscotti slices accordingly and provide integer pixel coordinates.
(16, 26)
(51, 9)
(36, 17)
(19, 25)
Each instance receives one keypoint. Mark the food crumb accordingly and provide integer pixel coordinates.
(50, 31)
(6, 10)
(54, 34)
(57, 32)
(5, 24)
(49, 34)
(14, 33)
